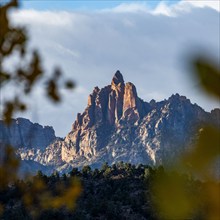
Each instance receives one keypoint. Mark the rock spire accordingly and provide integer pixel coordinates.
(117, 78)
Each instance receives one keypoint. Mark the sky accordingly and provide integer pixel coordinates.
(150, 42)
(84, 4)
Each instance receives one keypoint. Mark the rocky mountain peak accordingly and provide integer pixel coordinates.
(111, 104)
(116, 122)
(117, 78)
(178, 101)
(178, 98)
(116, 125)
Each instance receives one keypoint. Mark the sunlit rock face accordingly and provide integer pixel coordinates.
(116, 125)
(119, 126)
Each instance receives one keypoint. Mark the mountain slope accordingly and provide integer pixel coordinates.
(119, 126)
(23, 133)
(28, 139)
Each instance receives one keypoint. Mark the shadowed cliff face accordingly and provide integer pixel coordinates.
(30, 141)
(116, 126)
(23, 133)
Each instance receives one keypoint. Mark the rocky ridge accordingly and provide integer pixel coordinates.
(30, 140)
(22, 133)
(119, 126)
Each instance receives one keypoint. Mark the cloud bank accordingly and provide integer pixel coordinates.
(149, 46)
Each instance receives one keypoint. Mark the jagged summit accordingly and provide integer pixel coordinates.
(176, 96)
(117, 78)
(117, 125)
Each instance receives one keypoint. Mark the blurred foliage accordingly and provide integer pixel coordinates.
(205, 152)
(9, 165)
(171, 196)
(125, 193)
(208, 75)
(27, 74)
(55, 196)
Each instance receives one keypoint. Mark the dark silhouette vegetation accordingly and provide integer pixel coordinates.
(120, 191)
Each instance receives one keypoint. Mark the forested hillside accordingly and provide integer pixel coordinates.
(120, 191)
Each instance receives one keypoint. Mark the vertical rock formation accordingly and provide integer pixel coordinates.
(116, 126)
(116, 98)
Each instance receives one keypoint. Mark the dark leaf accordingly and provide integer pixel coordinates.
(9, 108)
(69, 84)
(52, 91)
(4, 77)
(209, 76)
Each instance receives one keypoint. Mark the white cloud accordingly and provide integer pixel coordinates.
(129, 8)
(164, 8)
(146, 46)
(214, 4)
(67, 51)
(48, 18)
